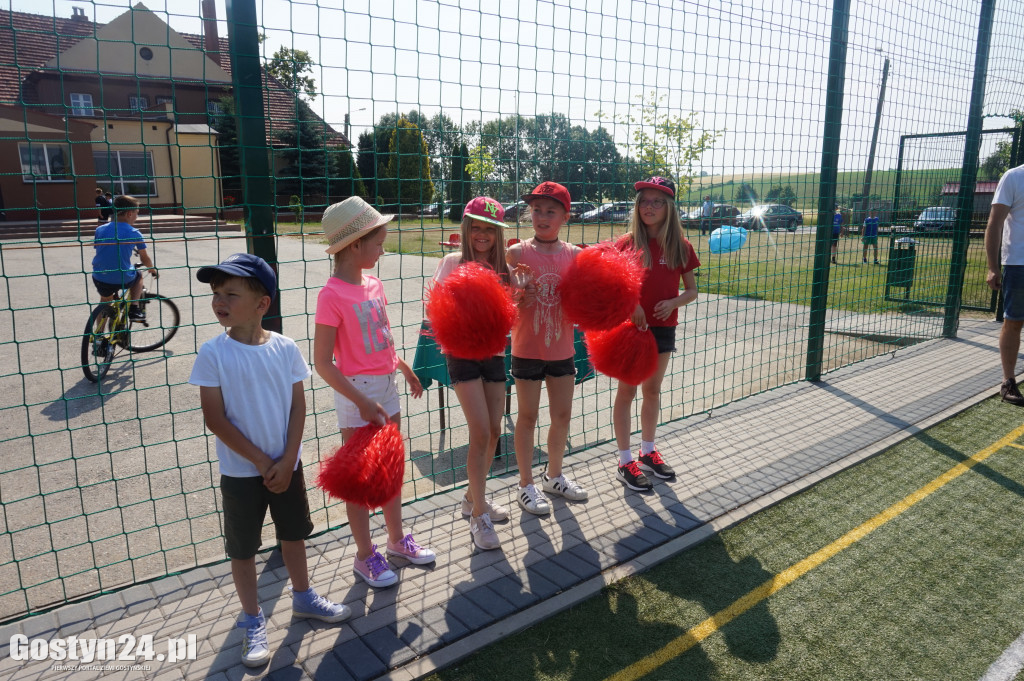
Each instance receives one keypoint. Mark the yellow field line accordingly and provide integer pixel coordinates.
(680, 645)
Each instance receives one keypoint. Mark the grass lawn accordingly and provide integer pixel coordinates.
(933, 592)
(778, 266)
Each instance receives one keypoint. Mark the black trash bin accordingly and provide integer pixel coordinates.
(900, 273)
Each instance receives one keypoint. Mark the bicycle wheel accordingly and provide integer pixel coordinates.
(97, 350)
(160, 325)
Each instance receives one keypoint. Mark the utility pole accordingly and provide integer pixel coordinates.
(866, 192)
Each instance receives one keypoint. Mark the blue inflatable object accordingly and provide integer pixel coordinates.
(727, 239)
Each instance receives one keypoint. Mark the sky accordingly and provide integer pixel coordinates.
(754, 70)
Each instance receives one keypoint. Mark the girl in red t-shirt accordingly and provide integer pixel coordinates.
(656, 232)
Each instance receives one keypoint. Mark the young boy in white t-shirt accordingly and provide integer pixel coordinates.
(251, 391)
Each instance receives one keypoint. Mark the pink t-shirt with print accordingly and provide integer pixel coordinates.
(542, 331)
(363, 343)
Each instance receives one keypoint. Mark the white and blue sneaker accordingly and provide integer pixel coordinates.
(313, 606)
(255, 650)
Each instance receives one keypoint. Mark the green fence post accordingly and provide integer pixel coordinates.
(969, 174)
(254, 155)
(827, 187)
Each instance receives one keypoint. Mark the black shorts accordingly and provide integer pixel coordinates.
(106, 289)
(491, 370)
(246, 501)
(665, 337)
(526, 369)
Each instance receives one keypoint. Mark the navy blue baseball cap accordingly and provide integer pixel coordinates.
(243, 265)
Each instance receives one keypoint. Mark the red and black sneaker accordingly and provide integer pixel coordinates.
(632, 478)
(655, 464)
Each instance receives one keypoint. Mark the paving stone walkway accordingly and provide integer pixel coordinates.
(733, 462)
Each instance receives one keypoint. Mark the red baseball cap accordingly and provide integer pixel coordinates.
(487, 209)
(550, 190)
(660, 183)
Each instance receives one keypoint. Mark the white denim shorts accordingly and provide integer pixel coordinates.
(382, 389)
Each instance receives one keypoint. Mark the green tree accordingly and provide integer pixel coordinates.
(780, 194)
(745, 193)
(345, 180)
(663, 143)
(317, 168)
(459, 185)
(480, 167)
(366, 160)
(305, 152)
(227, 146)
(998, 162)
(408, 167)
(290, 67)
(443, 138)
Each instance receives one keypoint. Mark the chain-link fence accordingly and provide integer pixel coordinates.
(236, 126)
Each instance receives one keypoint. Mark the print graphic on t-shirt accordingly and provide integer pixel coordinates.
(372, 320)
(547, 316)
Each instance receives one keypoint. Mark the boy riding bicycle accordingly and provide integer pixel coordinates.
(112, 268)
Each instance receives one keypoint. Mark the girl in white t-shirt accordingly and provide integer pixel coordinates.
(480, 384)
(353, 351)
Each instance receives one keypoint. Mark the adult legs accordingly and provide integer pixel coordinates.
(1009, 346)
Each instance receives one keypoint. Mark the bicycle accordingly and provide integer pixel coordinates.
(110, 331)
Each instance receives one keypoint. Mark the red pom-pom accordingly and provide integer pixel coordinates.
(625, 353)
(602, 287)
(471, 313)
(367, 469)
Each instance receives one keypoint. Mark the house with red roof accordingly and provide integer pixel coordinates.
(125, 106)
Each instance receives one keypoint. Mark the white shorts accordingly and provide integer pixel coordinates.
(382, 389)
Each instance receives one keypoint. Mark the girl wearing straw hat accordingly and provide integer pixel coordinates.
(354, 352)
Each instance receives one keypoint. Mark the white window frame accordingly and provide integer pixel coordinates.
(81, 104)
(138, 103)
(214, 109)
(29, 175)
(118, 182)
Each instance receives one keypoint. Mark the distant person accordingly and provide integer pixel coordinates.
(104, 204)
(706, 210)
(1004, 244)
(251, 390)
(112, 268)
(837, 232)
(869, 236)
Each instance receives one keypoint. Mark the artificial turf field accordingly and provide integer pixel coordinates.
(906, 566)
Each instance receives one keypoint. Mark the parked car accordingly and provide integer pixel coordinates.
(770, 216)
(578, 208)
(430, 209)
(935, 219)
(721, 214)
(609, 212)
(520, 210)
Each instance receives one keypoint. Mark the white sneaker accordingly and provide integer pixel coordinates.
(564, 487)
(533, 501)
(255, 651)
(482, 530)
(497, 513)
